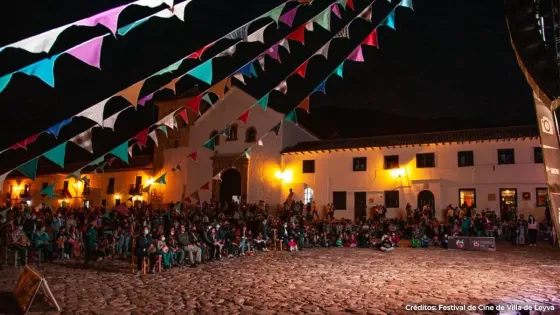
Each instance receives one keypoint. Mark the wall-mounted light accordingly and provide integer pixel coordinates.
(117, 196)
(287, 176)
(150, 181)
(399, 172)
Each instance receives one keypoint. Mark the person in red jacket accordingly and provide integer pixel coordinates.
(395, 239)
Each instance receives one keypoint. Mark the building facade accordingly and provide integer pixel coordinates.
(488, 168)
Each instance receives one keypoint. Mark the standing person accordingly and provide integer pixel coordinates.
(532, 226)
(90, 241)
(521, 230)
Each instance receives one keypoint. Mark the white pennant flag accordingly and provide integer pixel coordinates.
(282, 87)
(309, 26)
(95, 113)
(153, 135)
(228, 52)
(284, 43)
(239, 77)
(257, 36)
(218, 177)
(260, 59)
(169, 121)
(130, 150)
(179, 10)
(3, 177)
(260, 143)
(324, 50)
(111, 120)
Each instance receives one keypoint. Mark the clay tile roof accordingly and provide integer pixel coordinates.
(472, 135)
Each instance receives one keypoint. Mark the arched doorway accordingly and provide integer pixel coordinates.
(426, 197)
(230, 185)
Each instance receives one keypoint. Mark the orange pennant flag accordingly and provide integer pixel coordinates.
(220, 88)
(132, 93)
(304, 104)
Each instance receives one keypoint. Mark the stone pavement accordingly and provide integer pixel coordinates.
(331, 281)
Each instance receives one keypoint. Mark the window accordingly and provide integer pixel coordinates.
(339, 200)
(308, 166)
(111, 188)
(232, 133)
(307, 195)
(359, 164)
(542, 196)
(391, 162)
(138, 184)
(508, 196)
(468, 197)
(251, 135)
(117, 202)
(87, 187)
(538, 155)
(26, 190)
(65, 187)
(465, 158)
(424, 160)
(214, 134)
(392, 199)
(506, 156)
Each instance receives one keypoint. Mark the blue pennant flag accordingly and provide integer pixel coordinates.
(321, 88)
(246, 69)
(55, 130)
(389, 20)
(253, 71)
(4, 80)
(203, 72)
(43, 69)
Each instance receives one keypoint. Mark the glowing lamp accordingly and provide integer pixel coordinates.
(117, 196)
(287, 176)
(16, 188)
(399, 172)
(150, 181)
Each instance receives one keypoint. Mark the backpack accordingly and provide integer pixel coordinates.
(415, 243)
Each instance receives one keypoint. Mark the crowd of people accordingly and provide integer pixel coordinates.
(174, 236)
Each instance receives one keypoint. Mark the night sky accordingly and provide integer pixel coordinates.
(447, 59)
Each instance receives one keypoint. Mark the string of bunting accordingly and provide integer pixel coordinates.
(83, 140)
(89, 51)
(132, 93)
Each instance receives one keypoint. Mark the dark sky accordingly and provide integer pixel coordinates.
(446, 59)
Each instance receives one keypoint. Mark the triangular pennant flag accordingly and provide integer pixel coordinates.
(4, 80)
(24, 143)
(260, 143)
(275, 13)
(282, 87)
(127, 28)
(301, 69)
(171, 86)
(205, 186)
(130, 150)
(247, 154)
(56, 154)
(195, 195)
(292, 116)
(111, 120)
(245, 70)
(240, 33)
(99, 160)
(324, 51)
(161, 179)
(389, 20)
(304, 104)
(29, 169)
(406, 4)
(164, 129)
(153, 135)
(288, 17)
(263, 102)
(218, 177)
(194, 104)
(109, 19)
(178, 207)
(210, 144)
(183, 114)
(95, 113)
(357, 54)
(179, 10)
(132, 93)
(188, 200)
(286, 44)
(309, 26)
(239, 77)
(339, 69)
(111, 160)
(207, 99)
(147, 188)
(194, 156)
(228, 52)
(49, 191)
(260, 59)
(257, 36)
(324, 20)
(89, 52)
(351, 4)
(273, 52)
(169, 121)
(276, 128)
(366, 14)
(343, 33)
(198, 54)
(142, 137)
(321, 88)
(244, 117)
(55, 130)
(336, 10)
(75, 174)
(218, 89)
(298, 34)
(121, 152)
(226, 132)
(371, 39)
(203, 72)
(253, 71)
(344, 3)
(170, 68)
(43, 69)
(83, 140)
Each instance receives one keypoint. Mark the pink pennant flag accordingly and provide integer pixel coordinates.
(288, 17)
(244, 117)
(142, 137)
(109, 19)
(273, 52)
(194, 156)
(146, 98)
(371, 40)
(89, 52)
(23, 143)
(356, 55)
(336, 11)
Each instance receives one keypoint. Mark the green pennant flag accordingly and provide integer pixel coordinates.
(107, 214)
(161, 179)
(178, 207)
(164, 129)
(49, 191)
(275, 14)
(208, 100)
(339, 70)
(56, 155)
(263, 102)
(29, 169)
(100, 159)
(324, 20)
(121, 152)
(292, 116)
(203, 72)
(343, 3)
(253, 71)
(247, 155)
(75, 174)
(101, 168)
(210, 144)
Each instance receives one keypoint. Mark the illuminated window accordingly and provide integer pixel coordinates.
(307, 195)
(542, 197)
(467, 196)
(390, 162)
(214, 134)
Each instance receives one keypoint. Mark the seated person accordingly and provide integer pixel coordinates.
(292, 245)
(415, 242)
(325, 240)
(425, 241)
(260, 243)
(395, 239)
(353, 240)
(436, 242)
(385, 244)
(164, 252)
(339, 242)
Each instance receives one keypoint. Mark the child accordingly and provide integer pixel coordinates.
(395, 239)
(425, 240)
(339, 242)
(436, 242)
(292, 245)
(386, 244)
(325, 241)
(353, 240)
(260, 243)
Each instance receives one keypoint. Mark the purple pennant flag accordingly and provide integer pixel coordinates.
(336, 11)
(356, 55)
(109, 19)
(273, 52)
(146, 98)
(89, 52)
(288, 17)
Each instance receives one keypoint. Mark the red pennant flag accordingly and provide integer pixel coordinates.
(301, 69)
(23, 143)
(194, 156)
(183, 115)
(197, 54)
(188, 200)
(350, 4)
(371, 40)
(142, 137)
(205, 186)
(298, 34)
(244, 117)
(194, 104)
